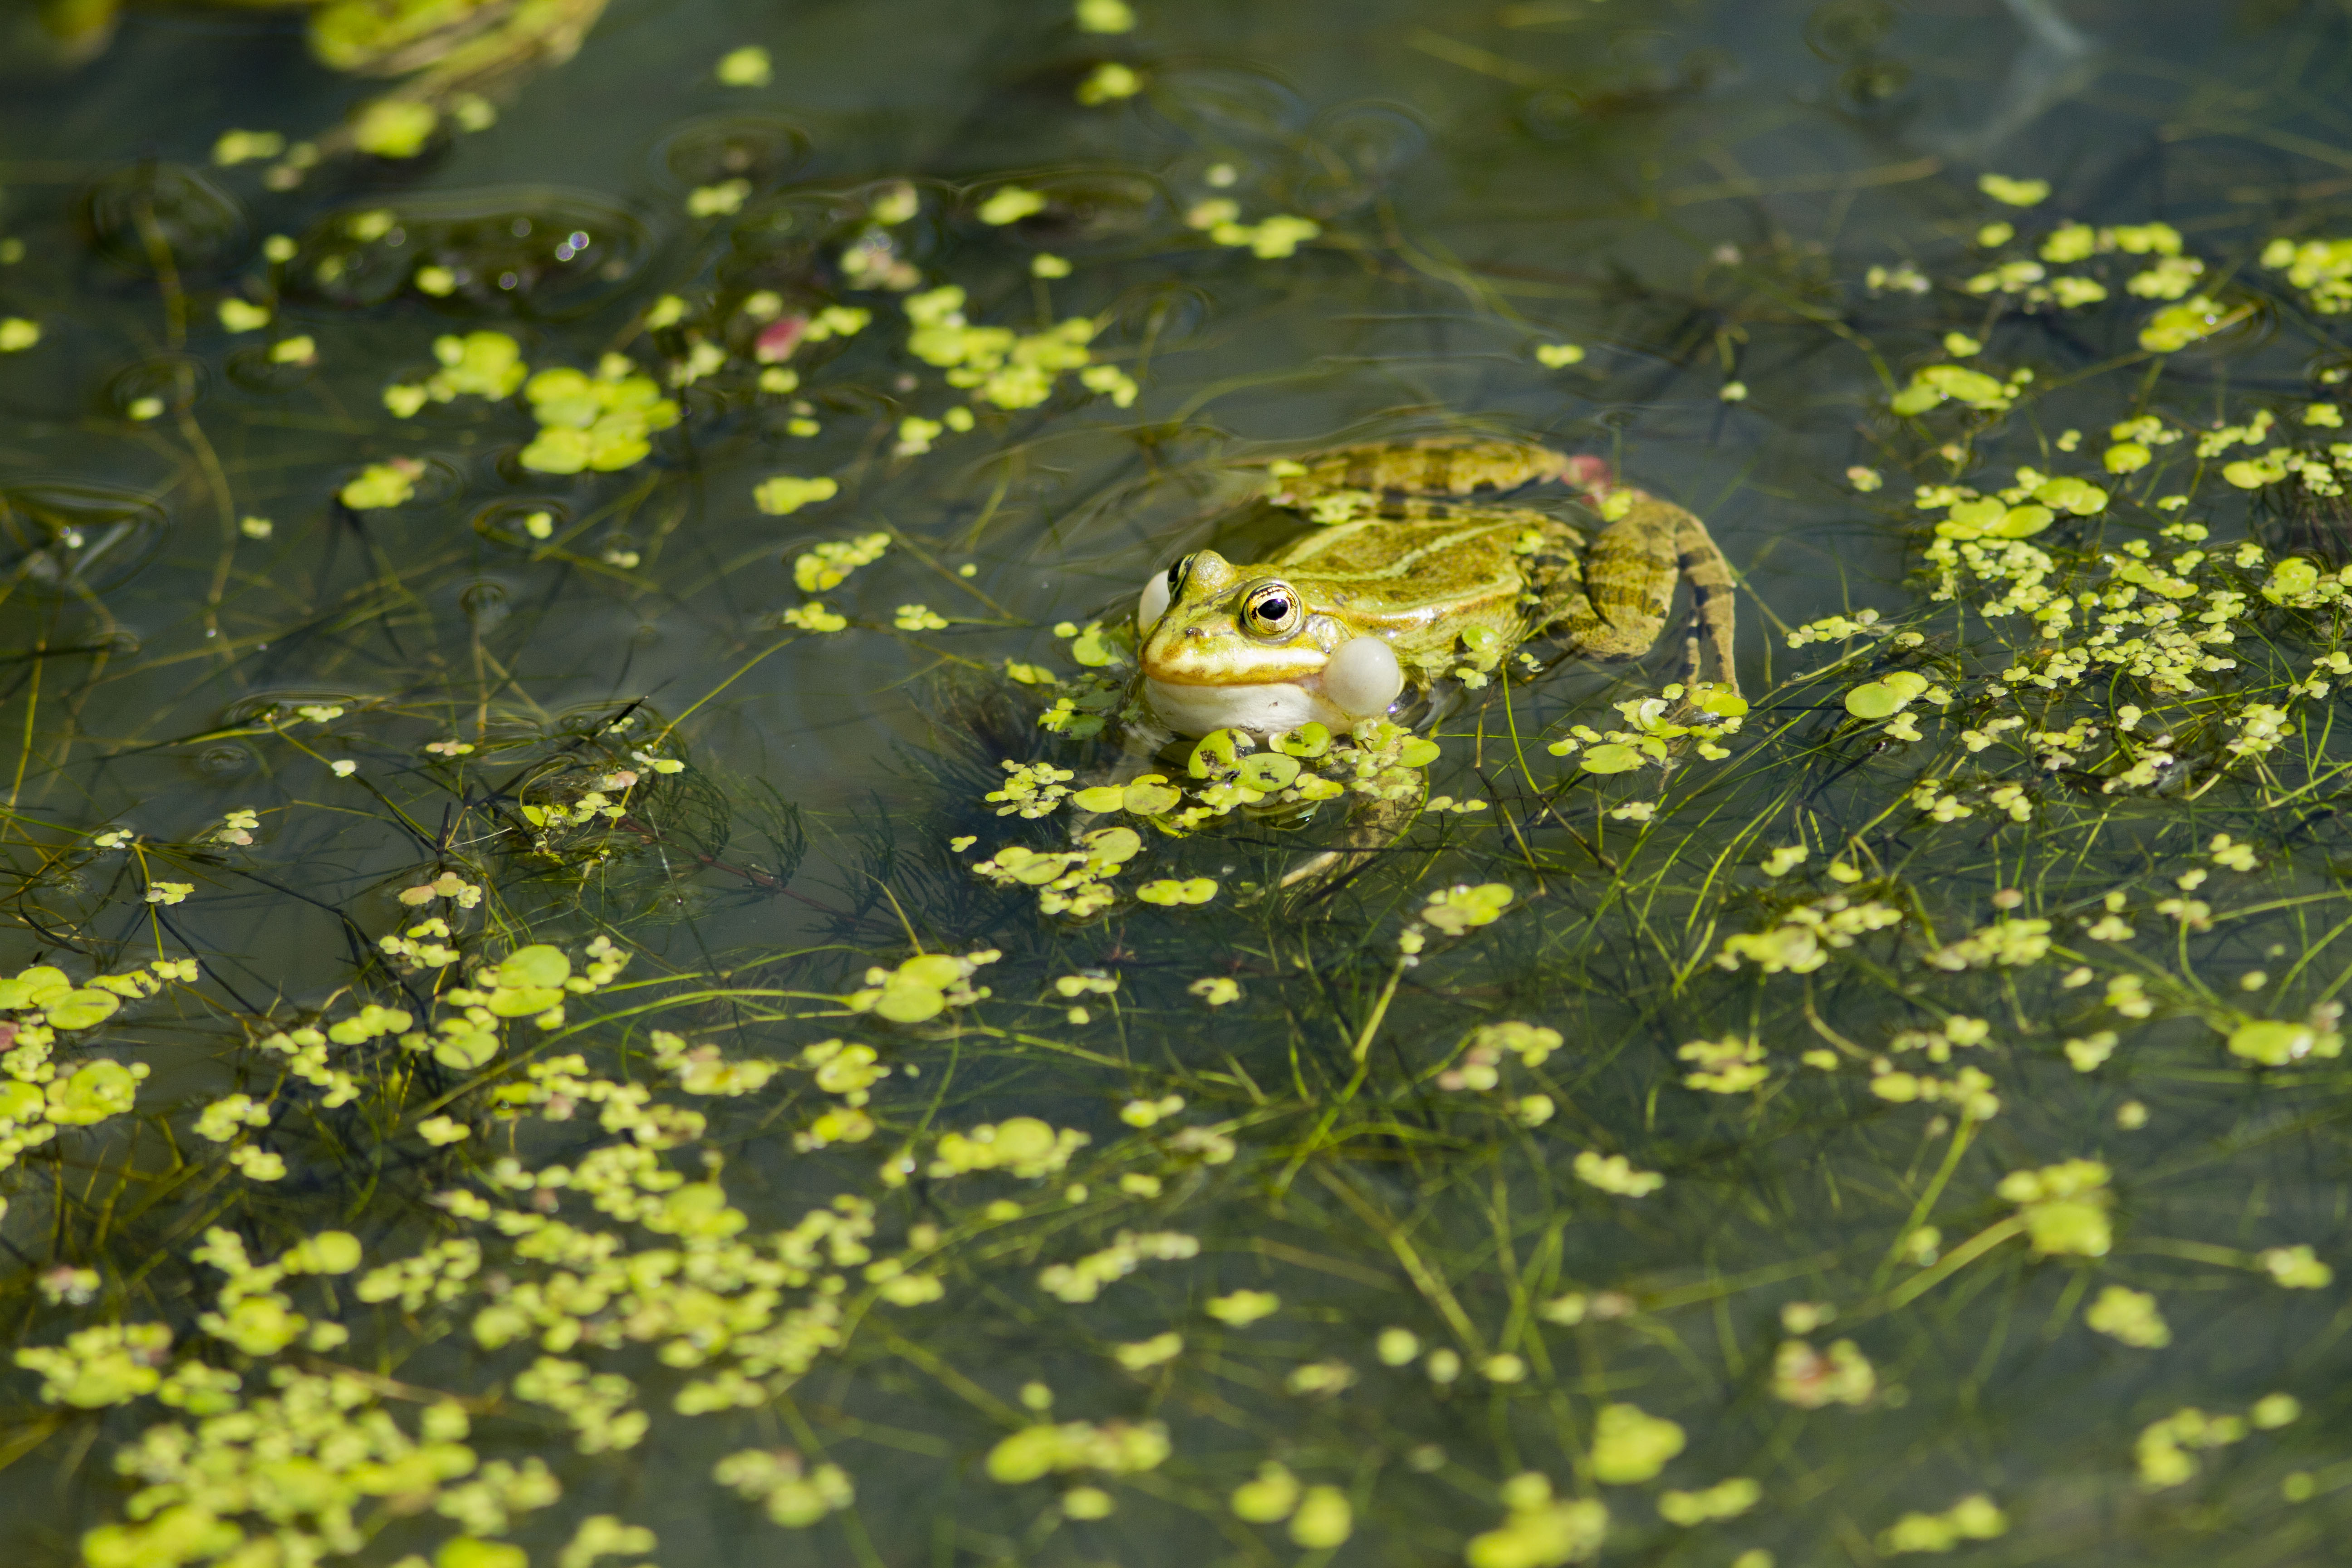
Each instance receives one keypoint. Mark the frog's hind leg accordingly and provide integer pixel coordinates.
(1437, 469)
(1371, 827)
(1614, 604)
(1714, 602)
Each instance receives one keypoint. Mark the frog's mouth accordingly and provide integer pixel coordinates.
(1260, 707)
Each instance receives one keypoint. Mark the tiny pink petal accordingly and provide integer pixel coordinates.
(779, 339)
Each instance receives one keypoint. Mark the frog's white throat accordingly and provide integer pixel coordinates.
(1260, 709)
(1361, 681)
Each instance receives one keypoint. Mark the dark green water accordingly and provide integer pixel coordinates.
(1697, 195)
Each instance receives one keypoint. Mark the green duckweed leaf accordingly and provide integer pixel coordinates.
(1873, 699)
(1269, 770)
(97, 1090)
(1215, 747)
(467, 1551)
(1307, 741)
(537, 965)
(1907, 684)
(329, 1252)
(468, 1050)
(1152, 795)
(2272, 1043)
(907, 999)
(35, 987)
(1112, 847)
(81, 1009)
(523, 1001)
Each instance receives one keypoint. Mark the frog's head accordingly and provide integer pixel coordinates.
(1228, 647)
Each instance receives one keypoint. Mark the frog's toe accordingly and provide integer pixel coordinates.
(1311, 870)
(1363, 678)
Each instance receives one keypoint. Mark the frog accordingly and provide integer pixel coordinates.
(1421, 566)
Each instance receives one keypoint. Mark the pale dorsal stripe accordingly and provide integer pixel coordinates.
(1474, 558)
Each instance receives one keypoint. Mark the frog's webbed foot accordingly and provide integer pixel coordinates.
(1371, 827)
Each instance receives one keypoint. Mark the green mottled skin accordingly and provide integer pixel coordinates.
(1426, 564)
(1419, 585)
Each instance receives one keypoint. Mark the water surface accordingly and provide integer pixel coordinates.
(1988, 1128)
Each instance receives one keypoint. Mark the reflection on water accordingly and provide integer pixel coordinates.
(567, 1001)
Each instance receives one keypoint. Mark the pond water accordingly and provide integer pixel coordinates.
(566, 1010)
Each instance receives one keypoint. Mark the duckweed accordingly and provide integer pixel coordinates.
(381, 485)
(1973, 1518)
(2130, 1316)
(1725, 1499)
(1109, 83)
(491, 1141)
(1629, 1445)
(747, 66)
(599, 423)
(1540, 1533)
(784, 494)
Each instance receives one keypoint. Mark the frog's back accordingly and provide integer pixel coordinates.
(1433, 468)
(1458, 560)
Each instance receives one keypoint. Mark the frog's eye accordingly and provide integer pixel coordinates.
(1271, 610)
(1158, 591)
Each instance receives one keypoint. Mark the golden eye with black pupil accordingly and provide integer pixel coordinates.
(1177, 573)
(1271, 610)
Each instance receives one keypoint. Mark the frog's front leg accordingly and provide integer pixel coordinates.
(1613, 603)
(1371, 827)
(1140, 745)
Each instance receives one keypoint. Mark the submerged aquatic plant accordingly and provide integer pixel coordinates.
(497, 1072)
